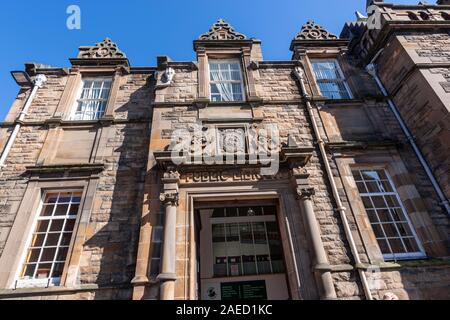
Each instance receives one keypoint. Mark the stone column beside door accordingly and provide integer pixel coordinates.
(170, 199)
(321, 267)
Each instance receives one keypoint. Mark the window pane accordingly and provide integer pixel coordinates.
(33, 255)
(247, 249)
(397, 246)
(377, 229)
(411, 244)
(38, 240)
(61, 209)
(47, 210)
(64, 198)
(51, 198)
(384, 215)
(70, 224)
(373, 217)
(66, 238)
(367, 202)
(74, 209)
(390, 230)
(384, 247)
(57, 225)
(29, 270)
(42, 226)
(361, 187)
(276, 251)
(57, 270)
(62, 254)
(48, 255)
(52, 239)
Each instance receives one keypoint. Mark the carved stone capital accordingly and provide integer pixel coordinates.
(170, 198)
(305, 193)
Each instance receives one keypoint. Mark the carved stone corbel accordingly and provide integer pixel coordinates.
(305, 193)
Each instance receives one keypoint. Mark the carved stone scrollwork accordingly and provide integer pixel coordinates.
(305, 193)
(102, 50)
(222, 30)
(170, 198)
(313, 31)
(171, 173)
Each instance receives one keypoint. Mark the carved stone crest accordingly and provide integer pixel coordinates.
(313, 31)
(305, 193)
(102, 50)
(222, 30)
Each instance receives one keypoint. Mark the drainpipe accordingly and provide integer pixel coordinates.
(372, 70)
(37, 83)
(300, 74)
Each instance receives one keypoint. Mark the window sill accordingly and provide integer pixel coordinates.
(31, 284)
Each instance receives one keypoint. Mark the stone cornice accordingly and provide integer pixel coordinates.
(390, 27)
(362, 145)
(92, 168)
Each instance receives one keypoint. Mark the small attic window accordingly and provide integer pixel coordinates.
(424, 15)
(445, 15)
(412, 16)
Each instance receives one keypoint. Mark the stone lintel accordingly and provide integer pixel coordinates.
(92, 168)
(358, 145)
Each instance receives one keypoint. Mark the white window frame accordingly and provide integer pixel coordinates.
(80, 91)
(238, 62)
(45, 282)
(394, 256)
(341, 75)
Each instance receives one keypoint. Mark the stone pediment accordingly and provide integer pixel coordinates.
(102, 50)
(222, 30)
(313, 31)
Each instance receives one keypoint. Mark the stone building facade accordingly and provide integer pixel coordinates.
(234, 177)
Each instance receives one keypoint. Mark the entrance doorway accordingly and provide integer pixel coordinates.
(240, 253)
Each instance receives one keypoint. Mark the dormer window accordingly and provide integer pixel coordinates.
(92, 99)
(226, 82)
(330, 79)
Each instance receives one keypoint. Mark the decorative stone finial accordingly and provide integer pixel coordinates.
(102, 50)
(222, 30)
(313, 31)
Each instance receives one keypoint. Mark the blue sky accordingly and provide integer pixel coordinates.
(35, 30)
